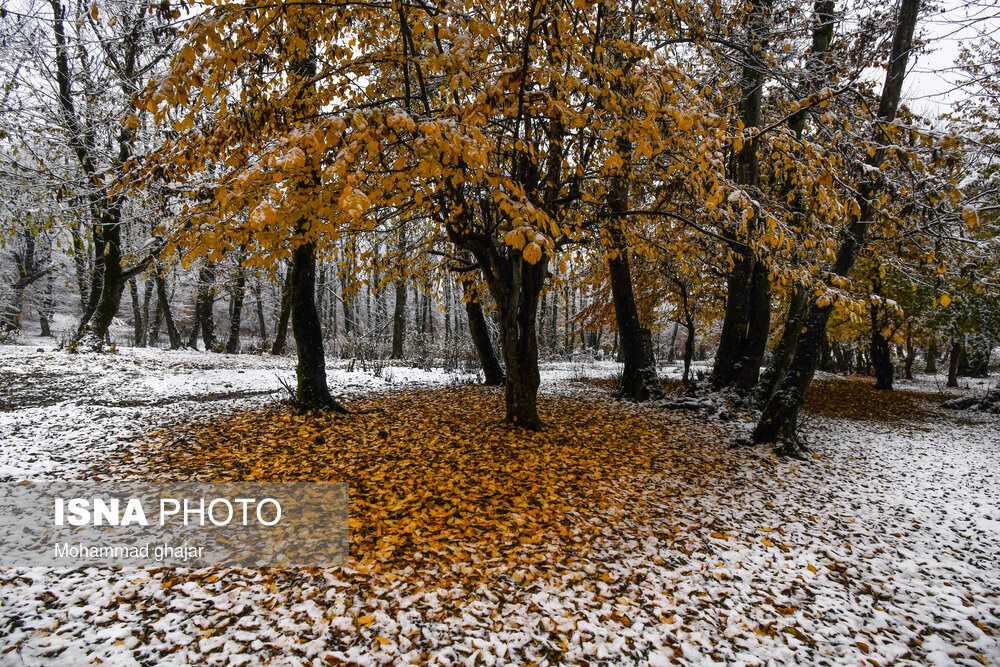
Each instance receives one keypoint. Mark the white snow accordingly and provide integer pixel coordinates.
(883, 549)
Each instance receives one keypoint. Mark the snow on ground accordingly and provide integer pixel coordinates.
(884, 549)
(60, 412)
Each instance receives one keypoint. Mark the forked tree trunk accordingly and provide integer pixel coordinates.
(785, 349)
(492, 370)
(516, 285)
(204, 306)
(881, 360)
(688, 349)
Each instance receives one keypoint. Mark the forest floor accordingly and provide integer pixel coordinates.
(620, 534)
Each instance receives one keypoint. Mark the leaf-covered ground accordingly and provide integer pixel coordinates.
(619, 535)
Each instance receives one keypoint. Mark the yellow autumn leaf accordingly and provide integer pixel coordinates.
(532, 253)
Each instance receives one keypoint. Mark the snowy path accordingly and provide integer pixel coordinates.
(884, 549)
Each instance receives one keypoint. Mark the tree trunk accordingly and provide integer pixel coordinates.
(688, 349)
(785, 349)
(492, 370)
(748, 298)
(236, 313)
(281, 331)
(932, 356)
(911, 351)
(399, 320)
(261, 321)
(137, 324)
(780, 417)
(515, 285)
(204, 317)
(45, 312)
(520, 352)
(164, 306)
(311, 392)
(954, 359)
(639, 380)
(881, 358)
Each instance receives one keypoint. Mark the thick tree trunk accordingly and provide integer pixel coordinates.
(954, 360)
(639, 380)
(516, 285)
(780, 417)
(281, 331)
(520, 351)
(932, 356)
(492, 370)
(45, 312)
(204, 316)
(236, 311)
(311, 391)
(748, 298)
(881, 360)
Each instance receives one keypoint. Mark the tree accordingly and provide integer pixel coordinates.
(780, 416)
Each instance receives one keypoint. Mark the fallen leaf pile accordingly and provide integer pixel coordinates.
(857, 399)
(436, 482)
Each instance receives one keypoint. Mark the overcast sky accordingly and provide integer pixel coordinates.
(930, 86)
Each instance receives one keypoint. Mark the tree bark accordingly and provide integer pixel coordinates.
(780, 417)
(747, 319)
(164, 306)
(911, 350)
(45, 312)
(688, 349)
(954, 360)
(639, 380)
(109, 278)
(932, 356)
(311, 392)
(281, 331)
(492, 370)
(236, 312)
(516, 286)
(138, 327)
(787, 344)
(881, 360)
(261, 321)
(399, 320)
(204, 307)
